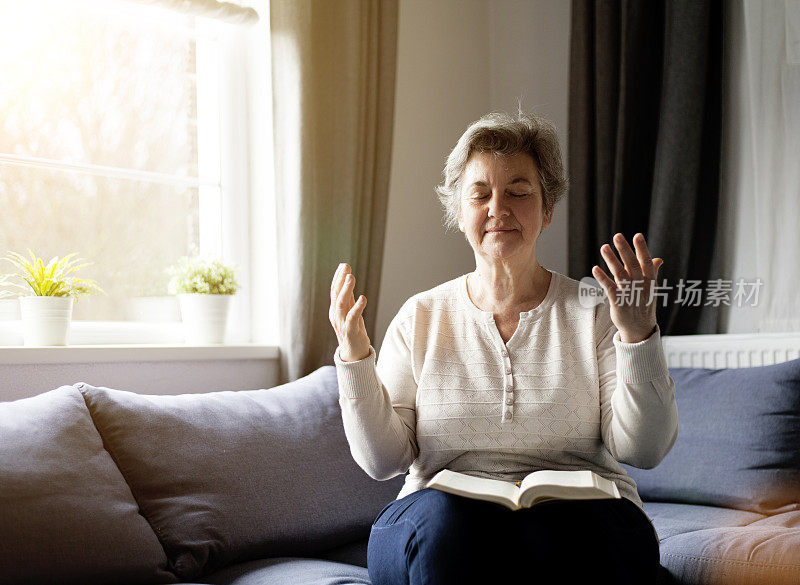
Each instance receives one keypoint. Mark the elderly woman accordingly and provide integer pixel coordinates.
(504, 371)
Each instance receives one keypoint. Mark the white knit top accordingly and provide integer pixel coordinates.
(563, 393)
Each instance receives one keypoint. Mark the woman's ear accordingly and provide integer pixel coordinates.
(548, 218)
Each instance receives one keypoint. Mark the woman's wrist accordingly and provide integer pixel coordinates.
(635, 335)
(348, 355)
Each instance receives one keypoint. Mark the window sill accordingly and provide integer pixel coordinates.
(134, 353)
(116, 333)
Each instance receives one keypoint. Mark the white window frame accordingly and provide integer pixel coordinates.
(245, 233)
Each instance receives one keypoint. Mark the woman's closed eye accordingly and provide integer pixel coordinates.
(478, 196)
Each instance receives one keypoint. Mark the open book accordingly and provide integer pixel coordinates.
(537, 487)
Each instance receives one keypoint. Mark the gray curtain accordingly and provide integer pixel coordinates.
(644, 139)
(333, 76)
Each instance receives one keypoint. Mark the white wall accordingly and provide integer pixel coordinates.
(529, 61)
(457, 60)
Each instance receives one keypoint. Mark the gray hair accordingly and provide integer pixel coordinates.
(503, 134)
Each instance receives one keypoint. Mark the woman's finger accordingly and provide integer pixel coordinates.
(356, 312)
(643, 256)
(606, 282)
(614, 265)
(628, 257)
(338, 279)
(345, 299)
(335, 282)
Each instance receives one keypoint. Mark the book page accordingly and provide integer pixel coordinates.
(584, 484)
(480, 488)
(582, 478)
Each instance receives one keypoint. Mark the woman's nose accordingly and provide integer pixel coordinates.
(498, 206)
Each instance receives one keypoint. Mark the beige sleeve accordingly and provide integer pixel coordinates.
(378, 409)
(639, 415)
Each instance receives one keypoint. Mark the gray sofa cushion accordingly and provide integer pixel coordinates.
(66, 514)
(738, 444)
(672, 519)
(290, 571)
(232, 476)
(352, 553)
(764, 551)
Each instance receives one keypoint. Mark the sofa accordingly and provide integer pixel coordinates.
(259, 487)
(725, 500)
(256, 487)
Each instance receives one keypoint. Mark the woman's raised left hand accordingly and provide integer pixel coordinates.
(633, 313)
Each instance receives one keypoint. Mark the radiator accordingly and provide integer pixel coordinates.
(730, 350)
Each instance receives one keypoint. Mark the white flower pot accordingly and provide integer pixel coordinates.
(45, 320)
(205, 317)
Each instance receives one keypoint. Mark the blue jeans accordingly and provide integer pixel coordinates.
(434, 538)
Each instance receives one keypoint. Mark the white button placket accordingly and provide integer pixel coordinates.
(507, 400)
(508, 387)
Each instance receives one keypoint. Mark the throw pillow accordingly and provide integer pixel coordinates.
(738, 442)
(231, 476)
(66, 514)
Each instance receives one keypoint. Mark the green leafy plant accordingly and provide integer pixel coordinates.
(202, 275)
(51, 279)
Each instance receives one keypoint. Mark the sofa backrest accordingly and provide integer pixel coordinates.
(237, 475)
(738, 442)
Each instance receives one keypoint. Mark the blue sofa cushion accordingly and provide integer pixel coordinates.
(738, 442)
(229, 476)
(66, 514)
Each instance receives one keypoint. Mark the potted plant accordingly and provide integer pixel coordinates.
(204, 287)
(46, 307)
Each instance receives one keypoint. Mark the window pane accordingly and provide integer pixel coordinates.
(130, 230)
(98, 83)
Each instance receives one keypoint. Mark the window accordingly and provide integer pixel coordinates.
(123, 138)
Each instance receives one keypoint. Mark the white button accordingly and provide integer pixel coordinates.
(504, 353)
(507, 415)
(508, 369)
(509, 401)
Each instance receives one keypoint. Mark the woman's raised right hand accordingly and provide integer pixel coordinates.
(346, 316)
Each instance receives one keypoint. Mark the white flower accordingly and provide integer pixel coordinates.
(202, 275)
